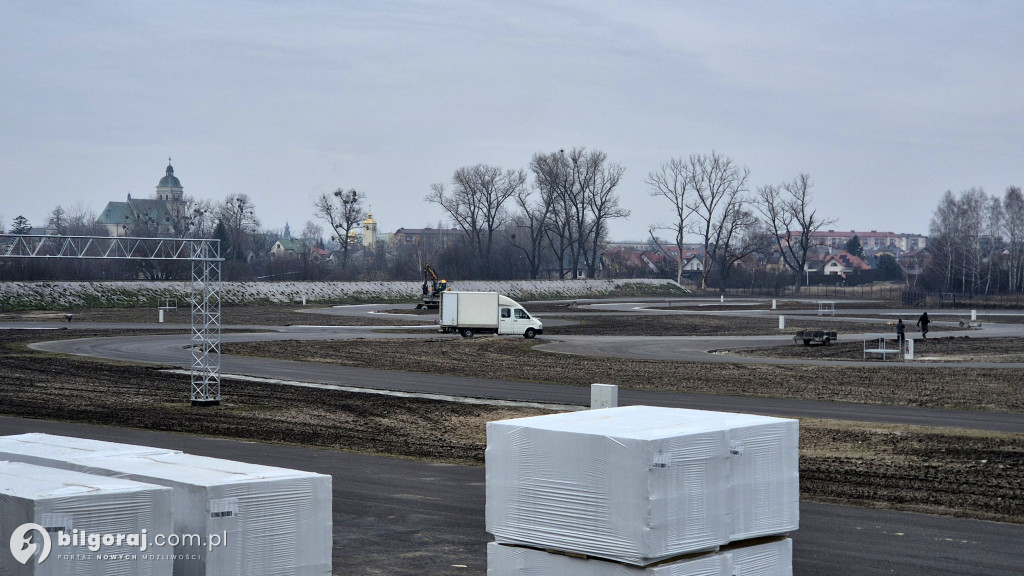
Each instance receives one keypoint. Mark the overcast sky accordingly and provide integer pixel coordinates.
(885, 104)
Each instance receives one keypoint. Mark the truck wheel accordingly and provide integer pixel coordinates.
(827, 341)
(807, 341)
(530, 333)
(467, 332)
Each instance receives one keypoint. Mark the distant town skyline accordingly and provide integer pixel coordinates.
(886, 105)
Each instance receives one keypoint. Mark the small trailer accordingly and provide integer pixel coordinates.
(824, 337)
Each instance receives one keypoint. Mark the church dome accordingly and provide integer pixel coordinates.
(369, 220)
(169, 180)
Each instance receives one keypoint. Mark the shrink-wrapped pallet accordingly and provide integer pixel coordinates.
(764, 475)
(774, 558)
(764, 558)
(270, 520)
(42, 449)
(505, 560)
(639, 484)
(78, 512)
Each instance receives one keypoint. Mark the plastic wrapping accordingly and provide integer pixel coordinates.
(765, 559)
(774, 558)
(64, 500)
(639, 484)
(43, 449)
(272, 520)
(505, 560)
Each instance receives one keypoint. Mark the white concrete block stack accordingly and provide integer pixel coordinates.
(270, 520)
(662, 490)
(88, 509)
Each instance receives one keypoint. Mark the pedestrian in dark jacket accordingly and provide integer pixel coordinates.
(923, 323)
(901, 331)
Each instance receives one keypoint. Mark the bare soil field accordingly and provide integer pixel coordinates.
(954, 472)
(946, 349)
(957, 472)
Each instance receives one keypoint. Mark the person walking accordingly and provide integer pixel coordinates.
(901, 332)
(923, 323)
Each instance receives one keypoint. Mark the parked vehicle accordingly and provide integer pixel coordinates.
(470, 313)
(825, 337)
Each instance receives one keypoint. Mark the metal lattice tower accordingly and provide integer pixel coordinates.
(204, 254)
(206, 323)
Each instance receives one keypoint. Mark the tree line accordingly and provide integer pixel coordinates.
(551, 220)
(977, 243)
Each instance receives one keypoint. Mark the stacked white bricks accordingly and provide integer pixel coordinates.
(639, 489)
(271, 520)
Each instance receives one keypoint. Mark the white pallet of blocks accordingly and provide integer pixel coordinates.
(63, 501)
(771, 558)
(641, 484)
(271, 520)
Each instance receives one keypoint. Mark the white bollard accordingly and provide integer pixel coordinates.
(721, 298)
(782, 322)
(909, 353)
(974, 315)
(775, 304)
(160, 315)
(303, 300)
(604, 396)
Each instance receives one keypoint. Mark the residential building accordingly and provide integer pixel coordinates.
(289, 247)
(873, 239)
(441, 237)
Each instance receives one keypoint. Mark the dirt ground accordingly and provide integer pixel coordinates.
(1000, 390)
(957, 472)
(946, 349)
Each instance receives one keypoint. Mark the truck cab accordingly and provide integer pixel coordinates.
(514, 319)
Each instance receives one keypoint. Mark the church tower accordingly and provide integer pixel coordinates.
(370, 233)
(169, 189)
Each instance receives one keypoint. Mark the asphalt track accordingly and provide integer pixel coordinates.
(169, 350)
(405, 517)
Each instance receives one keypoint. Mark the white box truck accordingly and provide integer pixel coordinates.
(469, 313)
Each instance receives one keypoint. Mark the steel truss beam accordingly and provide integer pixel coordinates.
(203, 253)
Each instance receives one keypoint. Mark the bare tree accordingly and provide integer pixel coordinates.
(737, 233)
(714, 178)
(527, 230)
(672, 182)
(476, 203)
(584, 201)
(313, 234)
(241, 226)
(602, 204)
(1013, 228)
(787, 213)
(554, 178)
(992, 243)
(343, 215)
(194, 218)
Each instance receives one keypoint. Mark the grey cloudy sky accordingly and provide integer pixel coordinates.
(885, 104)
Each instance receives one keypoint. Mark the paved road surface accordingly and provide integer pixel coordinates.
(397, 517)
(169, 350)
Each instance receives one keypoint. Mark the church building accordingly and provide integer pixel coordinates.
(157, 216)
